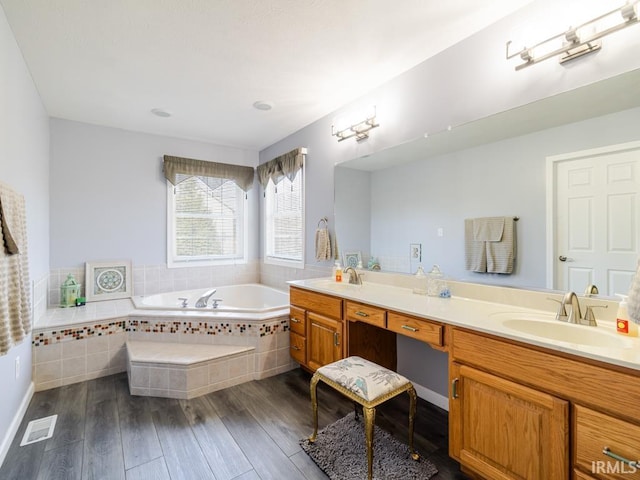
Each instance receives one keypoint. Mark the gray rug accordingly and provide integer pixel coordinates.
(340, 452)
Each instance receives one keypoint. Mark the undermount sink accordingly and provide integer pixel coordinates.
(567, 332)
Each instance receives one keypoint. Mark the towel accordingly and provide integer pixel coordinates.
(323, 244)
(15, 291)
(490, 244)
(10, 246)
(489, 229)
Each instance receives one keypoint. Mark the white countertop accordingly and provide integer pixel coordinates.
(489, 317)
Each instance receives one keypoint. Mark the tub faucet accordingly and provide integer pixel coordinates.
(354, 278)
(202, 301)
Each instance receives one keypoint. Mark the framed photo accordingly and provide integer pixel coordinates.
(352, 259)
(108, 280)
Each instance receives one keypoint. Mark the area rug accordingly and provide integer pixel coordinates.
(340, 452)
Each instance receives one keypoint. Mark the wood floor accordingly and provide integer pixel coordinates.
(246, 432)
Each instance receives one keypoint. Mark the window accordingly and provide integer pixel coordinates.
(206, 204)
(284, 221)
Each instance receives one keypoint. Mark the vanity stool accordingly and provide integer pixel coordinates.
(369, 385)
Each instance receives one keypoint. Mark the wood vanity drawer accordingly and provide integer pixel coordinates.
(418, 328)
(296, 321)
(357, 312)
(298, 347)
(316, 302)
(593, 432)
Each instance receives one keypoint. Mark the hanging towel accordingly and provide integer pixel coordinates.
(490, 244)
(488, 229)
(323, 242)
(10, 246)
(15, 291)
(475, 253)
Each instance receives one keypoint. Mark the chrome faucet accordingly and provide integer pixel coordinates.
(202, 301)
(570, 298)
(354, 278)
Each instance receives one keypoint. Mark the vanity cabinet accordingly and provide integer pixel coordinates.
(316, 335)
(506, 430)
(518, 411)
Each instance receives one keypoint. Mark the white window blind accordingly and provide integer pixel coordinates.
(206, 220)
(284, 219)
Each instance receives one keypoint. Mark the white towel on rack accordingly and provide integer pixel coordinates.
(323, 244)
(15, 291)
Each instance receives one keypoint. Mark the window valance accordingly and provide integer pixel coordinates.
(286, 165)
(174, 166)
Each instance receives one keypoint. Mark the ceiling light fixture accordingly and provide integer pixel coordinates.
(161, 112)
(359, 129)
(578, 41)
(262, 105)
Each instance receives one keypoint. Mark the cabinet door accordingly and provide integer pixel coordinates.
(324, 340)
(503, 430)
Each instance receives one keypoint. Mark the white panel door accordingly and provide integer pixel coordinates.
(597, 220)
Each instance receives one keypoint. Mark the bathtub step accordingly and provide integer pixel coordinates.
(180, 370)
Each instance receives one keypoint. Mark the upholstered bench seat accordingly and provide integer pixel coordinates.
(367, 384)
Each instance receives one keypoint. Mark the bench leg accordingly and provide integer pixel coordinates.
(369, 422)
(412, 414)
(313, 387)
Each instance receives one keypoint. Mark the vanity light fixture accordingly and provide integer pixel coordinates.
(359, 129)
(578, 41)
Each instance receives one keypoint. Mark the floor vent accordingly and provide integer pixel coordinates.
(39, 430)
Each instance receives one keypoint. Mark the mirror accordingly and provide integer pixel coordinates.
(420, 192)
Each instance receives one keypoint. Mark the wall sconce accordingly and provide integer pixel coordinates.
(580, 40)
(359, 129)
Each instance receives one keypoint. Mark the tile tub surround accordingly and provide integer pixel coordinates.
(173, 370)
(65, 354)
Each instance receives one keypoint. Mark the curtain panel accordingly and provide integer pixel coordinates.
(174, 166)
(286, 165)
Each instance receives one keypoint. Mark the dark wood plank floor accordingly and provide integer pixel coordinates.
(246, 432)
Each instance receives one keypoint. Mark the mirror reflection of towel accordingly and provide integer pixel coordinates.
(490, 244)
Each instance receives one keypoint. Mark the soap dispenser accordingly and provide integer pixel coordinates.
(337, 272)
(624, 326)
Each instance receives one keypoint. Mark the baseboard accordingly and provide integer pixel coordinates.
(432, 397)
(15, 423)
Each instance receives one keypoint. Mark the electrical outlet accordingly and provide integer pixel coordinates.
(17, 367)
(415, 251)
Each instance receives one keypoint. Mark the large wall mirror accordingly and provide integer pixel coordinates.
(420, 193)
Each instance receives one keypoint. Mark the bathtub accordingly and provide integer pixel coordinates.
(249, 298)
(249, 315)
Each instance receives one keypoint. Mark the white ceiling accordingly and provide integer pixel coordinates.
(207, 61)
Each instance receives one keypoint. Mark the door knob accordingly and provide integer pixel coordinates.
(562, 258)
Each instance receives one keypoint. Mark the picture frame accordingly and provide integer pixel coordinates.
(352, 259)
(108, 280)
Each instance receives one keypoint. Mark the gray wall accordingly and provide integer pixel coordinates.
(24, 165)
(464, 83)
(109, 197)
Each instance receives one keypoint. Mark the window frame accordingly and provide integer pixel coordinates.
(204, 260)
(272, 260)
